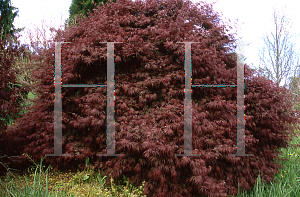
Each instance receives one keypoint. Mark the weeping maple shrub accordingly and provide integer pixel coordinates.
(149, 102)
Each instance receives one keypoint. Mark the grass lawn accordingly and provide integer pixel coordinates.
(38, 182)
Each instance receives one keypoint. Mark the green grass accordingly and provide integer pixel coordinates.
(38, 182)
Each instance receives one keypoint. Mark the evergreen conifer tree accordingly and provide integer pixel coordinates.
(8, 14)
(83, 7)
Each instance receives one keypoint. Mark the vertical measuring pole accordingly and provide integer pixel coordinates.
(240, 147)
(57, 103)
(110, 139)
(187, 102)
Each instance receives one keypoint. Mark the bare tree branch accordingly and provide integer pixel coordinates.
(279, 61)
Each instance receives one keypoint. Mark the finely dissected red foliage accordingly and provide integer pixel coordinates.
(8, 98)
(149, 102)
(10, 95)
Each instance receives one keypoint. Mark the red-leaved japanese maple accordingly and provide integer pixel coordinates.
(149, 102)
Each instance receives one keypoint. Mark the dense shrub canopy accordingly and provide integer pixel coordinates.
(10, 93)
(149, 102)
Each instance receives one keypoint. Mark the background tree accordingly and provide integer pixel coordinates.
(11, 92)
(83, 7)
(280, 59)
(294, 85)
(8, 14)
(17, 63)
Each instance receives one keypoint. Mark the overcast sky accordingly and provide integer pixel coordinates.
(254, 18)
